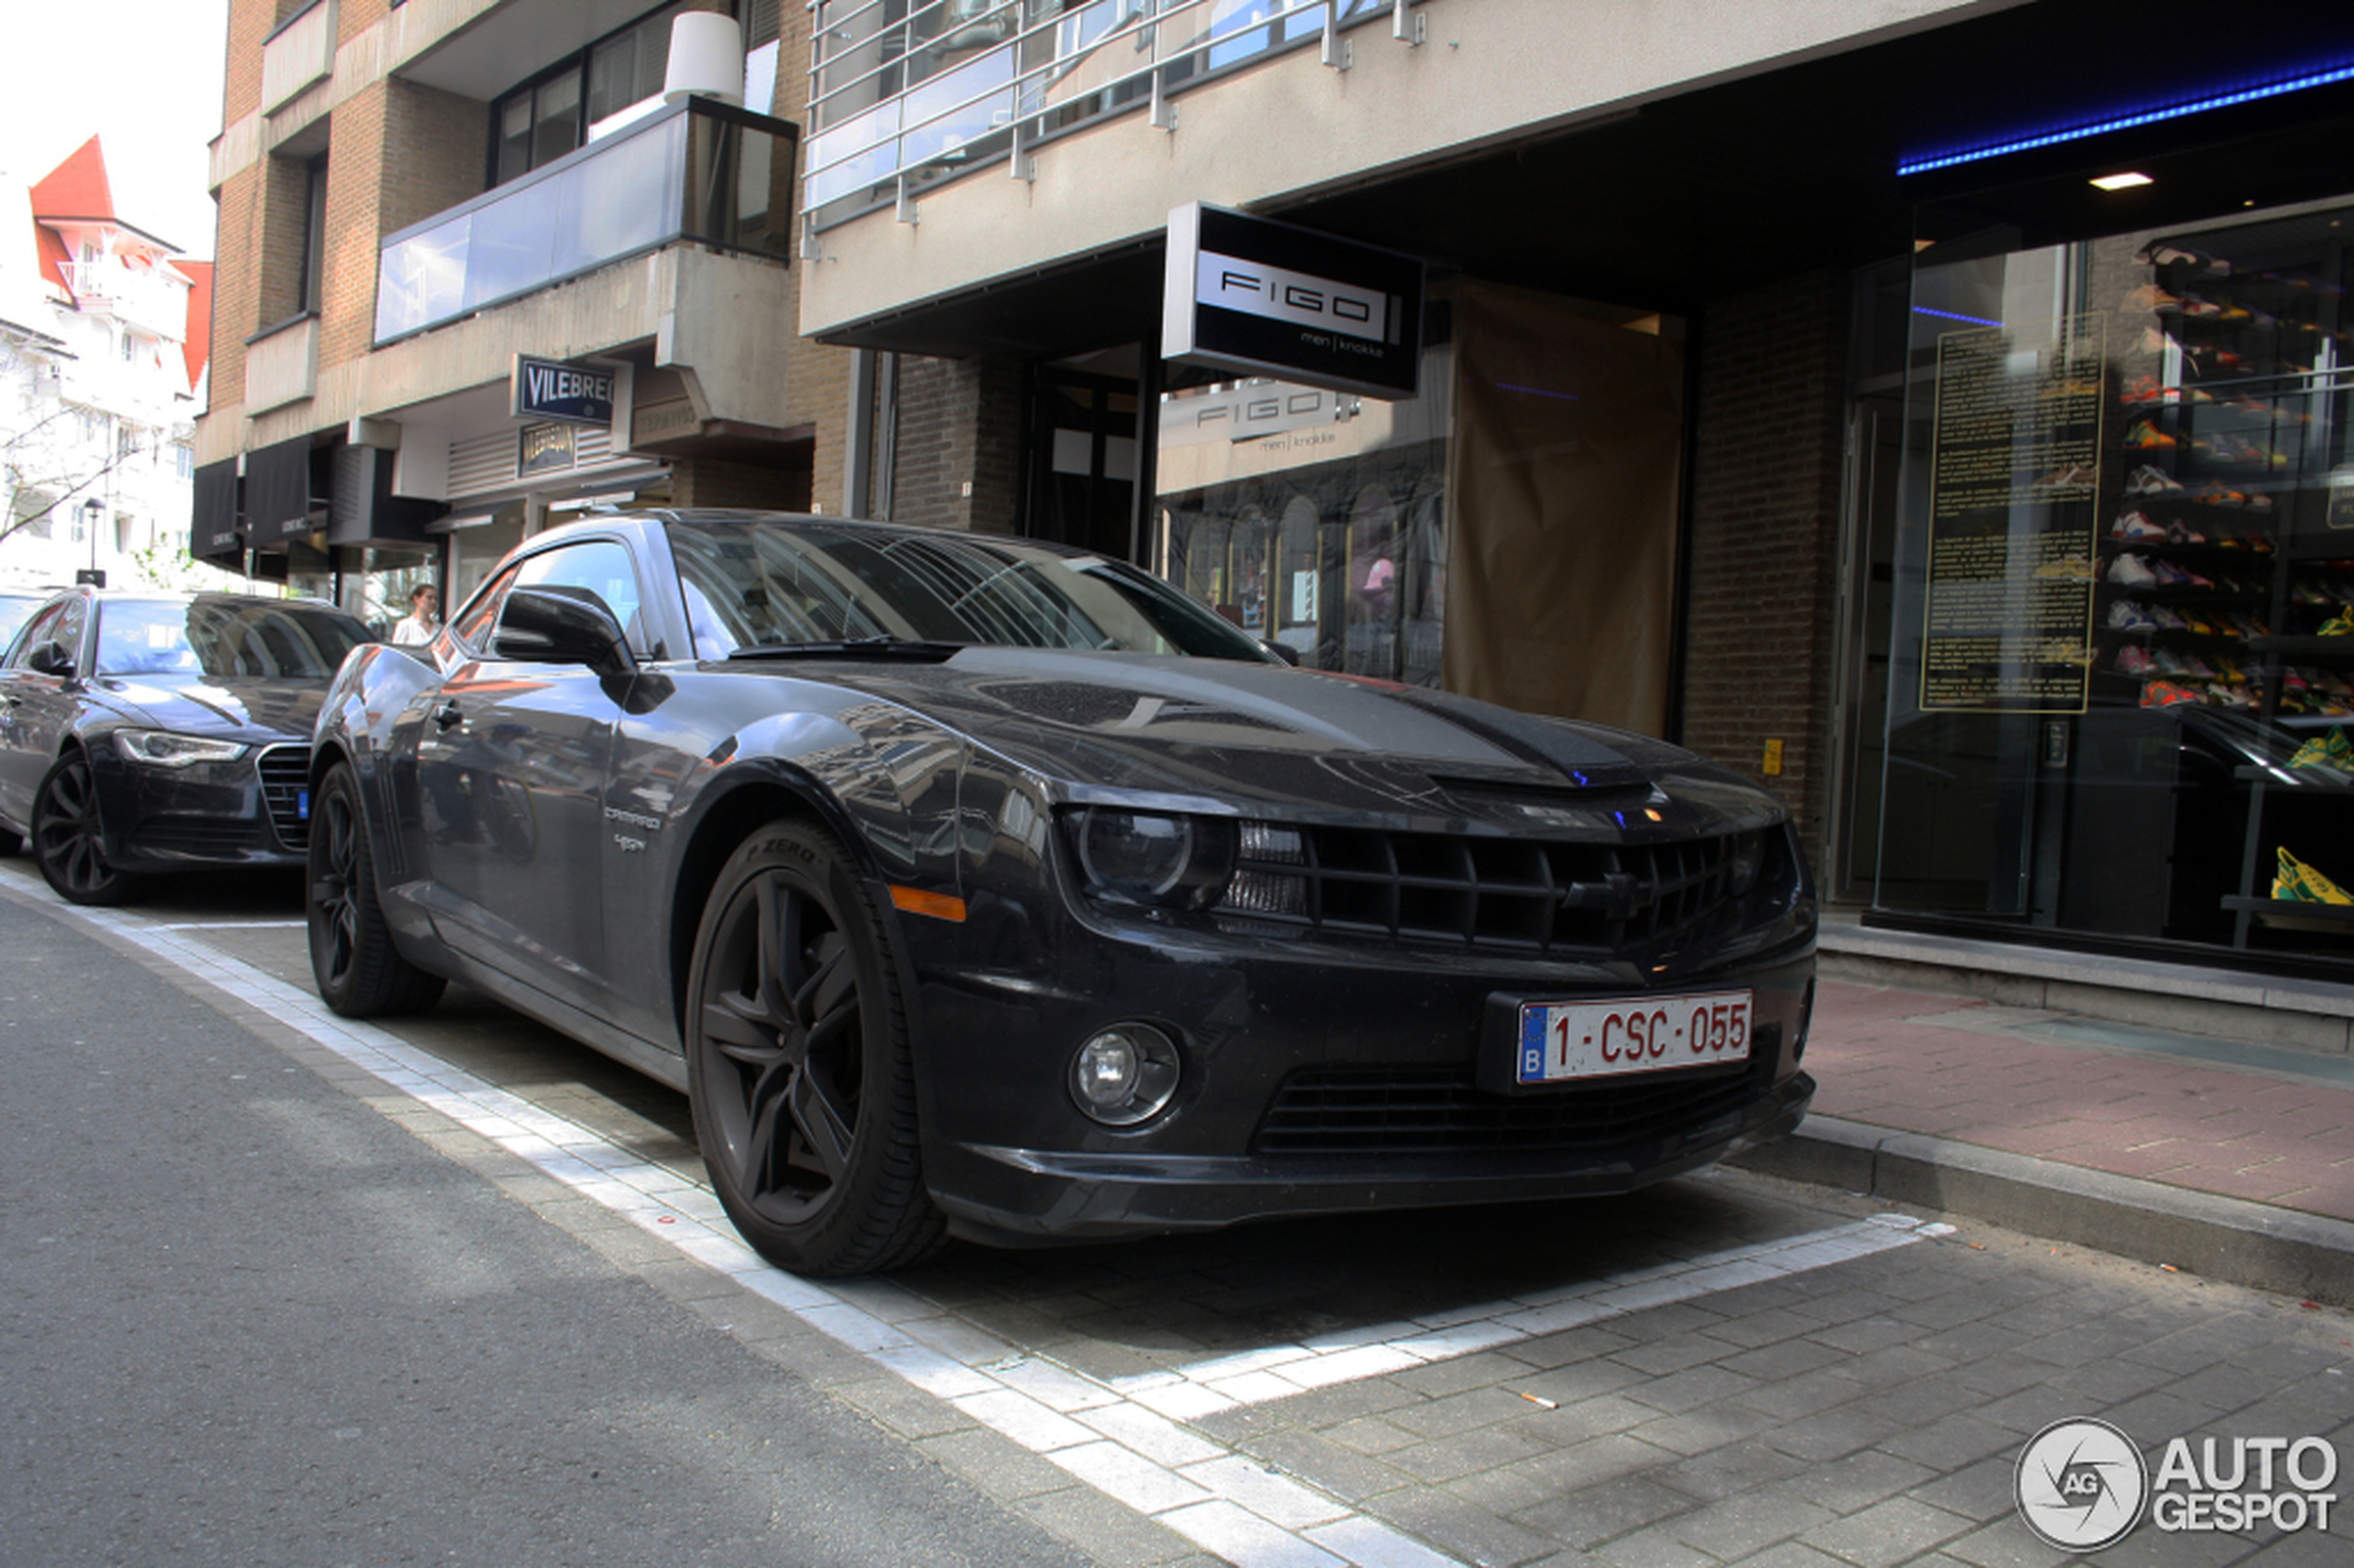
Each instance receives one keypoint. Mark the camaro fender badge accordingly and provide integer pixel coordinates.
(635, 819)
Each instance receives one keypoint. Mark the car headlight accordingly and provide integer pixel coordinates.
(1154, 859)
(161, 747)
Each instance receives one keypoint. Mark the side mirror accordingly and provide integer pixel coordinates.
(554, 624)
(50, 659)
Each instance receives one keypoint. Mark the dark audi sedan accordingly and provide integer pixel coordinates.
(143, 734)
(970, 886)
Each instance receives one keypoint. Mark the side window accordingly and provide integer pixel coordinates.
(41, 628)
(602, 566)
(70, 619)
(473, 625)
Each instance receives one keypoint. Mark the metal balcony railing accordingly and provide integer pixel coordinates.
(899, 101)
(696, 170)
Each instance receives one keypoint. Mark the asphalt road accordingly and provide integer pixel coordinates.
(245, 1320)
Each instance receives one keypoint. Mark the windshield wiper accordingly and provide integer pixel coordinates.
(882, 646)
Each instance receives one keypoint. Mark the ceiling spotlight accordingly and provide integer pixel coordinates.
(2125, 182)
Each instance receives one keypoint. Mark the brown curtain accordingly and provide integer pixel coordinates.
(1567, 457)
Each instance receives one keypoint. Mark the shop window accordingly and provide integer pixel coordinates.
(2122, 654)
(1310, 518)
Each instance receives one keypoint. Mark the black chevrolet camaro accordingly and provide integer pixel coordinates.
(974, 886)
(143, 734)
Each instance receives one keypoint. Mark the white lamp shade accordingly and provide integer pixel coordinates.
(706, 59)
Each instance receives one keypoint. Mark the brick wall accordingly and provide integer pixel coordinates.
(1759, 632)
(959, 422)
(236, 283)
(709, 482)
(251, 21)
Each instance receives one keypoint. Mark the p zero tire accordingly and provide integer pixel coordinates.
(358, 971)
(799, 1065)
(68, 842)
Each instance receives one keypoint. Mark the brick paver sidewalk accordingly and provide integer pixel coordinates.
(2208, 1126)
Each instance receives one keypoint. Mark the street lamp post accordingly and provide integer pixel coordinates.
(92, 510)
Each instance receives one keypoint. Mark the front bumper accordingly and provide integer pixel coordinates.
(1318, 1080)
(249, 813)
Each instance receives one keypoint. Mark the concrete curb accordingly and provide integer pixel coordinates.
(2306, 1256)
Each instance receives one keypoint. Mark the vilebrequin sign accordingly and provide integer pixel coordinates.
(560, 389)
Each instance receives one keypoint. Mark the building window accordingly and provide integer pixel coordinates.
(571, 103)
(314, 237)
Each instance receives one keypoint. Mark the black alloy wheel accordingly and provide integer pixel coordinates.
(358, 971)
(799, 1065)
(67, 843)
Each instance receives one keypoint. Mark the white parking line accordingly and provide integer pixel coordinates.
(1126, 1437)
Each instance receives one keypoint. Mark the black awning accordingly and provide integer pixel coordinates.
(279, 493)
(364, 510)
(212, 527)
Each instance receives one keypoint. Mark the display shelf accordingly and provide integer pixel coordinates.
(2303, 649)
(2293, 908)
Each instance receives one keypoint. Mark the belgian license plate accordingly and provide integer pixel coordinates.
(1564, 1041)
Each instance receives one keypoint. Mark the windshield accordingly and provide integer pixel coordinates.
(218, 639)
(768, 583)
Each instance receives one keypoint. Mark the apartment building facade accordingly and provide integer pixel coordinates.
(1784, 385)
(102, 368)
(487, 264)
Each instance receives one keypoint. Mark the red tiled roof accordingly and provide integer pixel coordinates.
(76, 188)
(198, 343)
(53, 258)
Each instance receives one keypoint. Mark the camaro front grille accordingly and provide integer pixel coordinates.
(1508, 894)
(285, 787)
(1345, 1111)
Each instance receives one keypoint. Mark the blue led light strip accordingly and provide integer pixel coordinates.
(1952, 316)
(1539, 392)
(2123, 121)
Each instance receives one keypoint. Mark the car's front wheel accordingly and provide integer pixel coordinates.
(799, 1063)
(68, 842)
(359, 973)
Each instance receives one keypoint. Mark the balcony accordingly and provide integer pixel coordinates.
(282, 364)
(140, 299)
(298, 55)
(960, 85)
(696, 172)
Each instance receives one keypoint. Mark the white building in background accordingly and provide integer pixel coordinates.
(104, 339)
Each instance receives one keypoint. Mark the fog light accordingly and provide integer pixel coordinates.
(1125, 1074)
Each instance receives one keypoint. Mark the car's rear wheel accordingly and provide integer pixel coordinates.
(799, 1063)
(361, 974)
(67, 840)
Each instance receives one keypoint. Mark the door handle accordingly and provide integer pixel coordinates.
(448, 715)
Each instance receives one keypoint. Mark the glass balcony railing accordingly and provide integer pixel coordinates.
(902, 101)
(697, 170)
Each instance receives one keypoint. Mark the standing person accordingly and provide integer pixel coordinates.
(416, 629)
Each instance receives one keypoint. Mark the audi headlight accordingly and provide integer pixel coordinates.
(1156, 860)
(161, 747)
